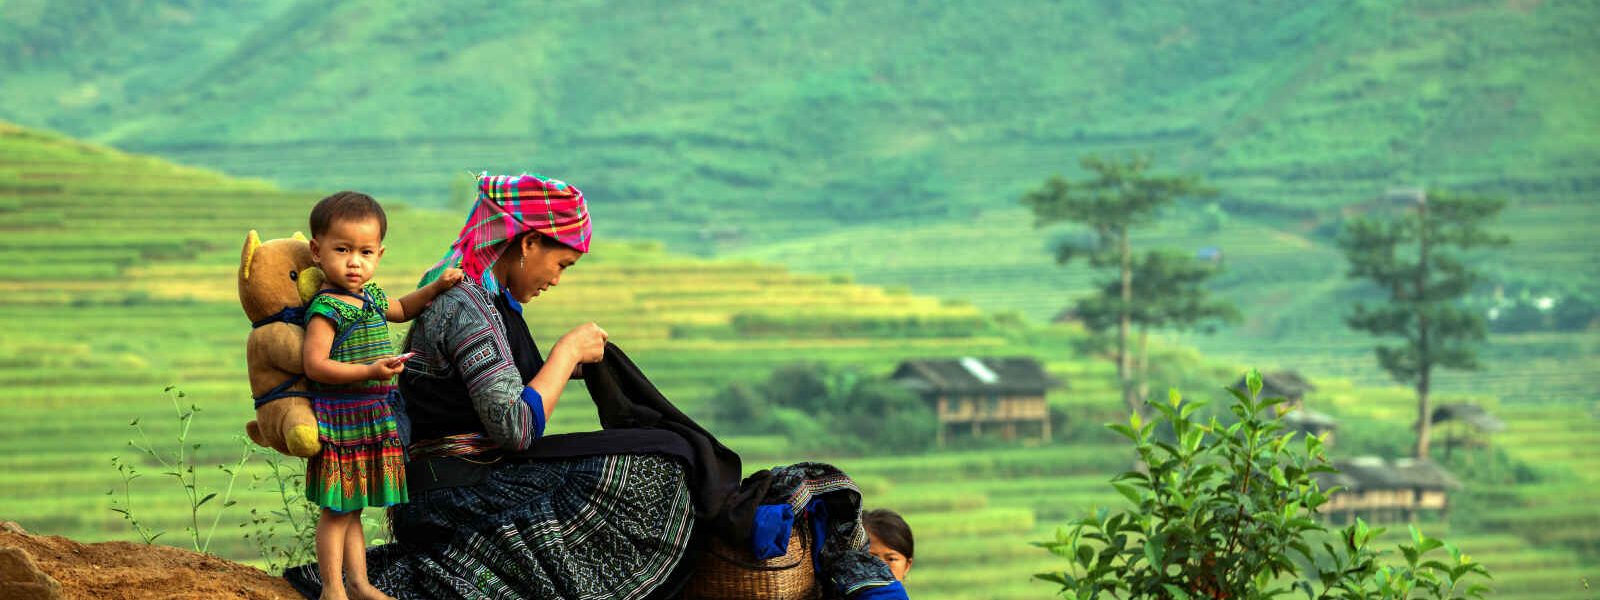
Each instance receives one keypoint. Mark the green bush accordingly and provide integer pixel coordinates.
(823, 408)
(1231, 512)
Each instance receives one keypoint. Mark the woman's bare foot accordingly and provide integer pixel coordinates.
(366, 591)
(332, 592)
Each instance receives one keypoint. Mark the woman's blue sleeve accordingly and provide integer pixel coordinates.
(535, 404)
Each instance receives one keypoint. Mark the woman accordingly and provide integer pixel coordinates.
(482, 522)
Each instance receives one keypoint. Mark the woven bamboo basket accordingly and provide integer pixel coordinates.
(727, 572)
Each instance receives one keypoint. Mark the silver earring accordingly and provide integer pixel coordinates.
(519, 261)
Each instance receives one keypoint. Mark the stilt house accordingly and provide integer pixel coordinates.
(973, 395)
(1383, 491)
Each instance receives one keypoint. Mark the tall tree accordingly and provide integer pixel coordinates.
(1416, 258)
(1121, 195)
(1169, 291)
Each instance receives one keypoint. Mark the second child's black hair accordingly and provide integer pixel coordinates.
(892, 530)
(347, 206)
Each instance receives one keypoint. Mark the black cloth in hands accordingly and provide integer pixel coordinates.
(636, 418)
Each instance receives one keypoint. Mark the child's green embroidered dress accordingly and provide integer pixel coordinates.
(362, 462)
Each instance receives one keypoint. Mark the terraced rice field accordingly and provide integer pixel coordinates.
(103, 309)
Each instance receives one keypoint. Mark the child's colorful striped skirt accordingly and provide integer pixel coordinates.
(362, 462)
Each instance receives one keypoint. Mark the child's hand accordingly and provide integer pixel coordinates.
(449, 278)
(386, 368)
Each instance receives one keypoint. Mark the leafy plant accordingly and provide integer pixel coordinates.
(129, 473)
(180, 465)
(282, 549)
(826, 408)
(1230, 511)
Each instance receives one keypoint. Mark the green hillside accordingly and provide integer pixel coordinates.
(890, 140)
(132, 289)
(846, 111)
(856, 160)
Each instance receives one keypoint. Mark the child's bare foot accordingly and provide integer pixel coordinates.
(332, 592)
(366, 591)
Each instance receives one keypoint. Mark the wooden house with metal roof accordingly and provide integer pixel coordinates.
(1465, 424)
(971, 395)
(1378, 490)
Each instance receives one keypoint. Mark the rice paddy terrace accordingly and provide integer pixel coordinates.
(119, 281)
(920, 137)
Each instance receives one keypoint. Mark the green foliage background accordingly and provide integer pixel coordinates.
(887, 140)
(875, 150)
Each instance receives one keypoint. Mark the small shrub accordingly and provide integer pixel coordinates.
(1230, 511)
(829, 409)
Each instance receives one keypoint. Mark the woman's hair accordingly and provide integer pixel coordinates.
(347, 206)
(888, 527)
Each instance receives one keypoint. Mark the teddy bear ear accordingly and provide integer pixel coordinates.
(309, 282)
(298, 237)
(251, 242)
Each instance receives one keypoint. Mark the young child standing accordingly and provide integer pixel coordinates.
(351, 366)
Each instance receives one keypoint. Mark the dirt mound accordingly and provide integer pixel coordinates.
(48, 567)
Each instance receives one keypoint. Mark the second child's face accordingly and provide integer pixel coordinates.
(348, 253)
(899, 565)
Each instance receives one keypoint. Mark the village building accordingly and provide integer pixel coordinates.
(1381, 491)
(971, 396)
(1465, 424)
(1068, 315)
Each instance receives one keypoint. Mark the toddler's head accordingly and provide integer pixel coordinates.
(891, 540)
(347, 232)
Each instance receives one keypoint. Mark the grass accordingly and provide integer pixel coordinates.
(84, 356)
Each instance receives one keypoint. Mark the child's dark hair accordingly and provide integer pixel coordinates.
(347, 206)
(892, 530)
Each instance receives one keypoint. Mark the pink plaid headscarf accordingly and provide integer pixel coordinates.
(508, 205)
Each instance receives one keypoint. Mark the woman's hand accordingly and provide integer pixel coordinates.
(586, 343)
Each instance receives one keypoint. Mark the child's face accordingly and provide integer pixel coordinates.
(899, 565)
(348, 253)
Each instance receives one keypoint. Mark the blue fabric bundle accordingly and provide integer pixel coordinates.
(769, 536)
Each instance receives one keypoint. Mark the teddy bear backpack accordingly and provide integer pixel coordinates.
(276, 280)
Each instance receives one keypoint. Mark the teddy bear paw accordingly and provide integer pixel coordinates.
(302, 441)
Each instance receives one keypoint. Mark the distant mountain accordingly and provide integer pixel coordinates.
(848, 110)
(888, 139)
